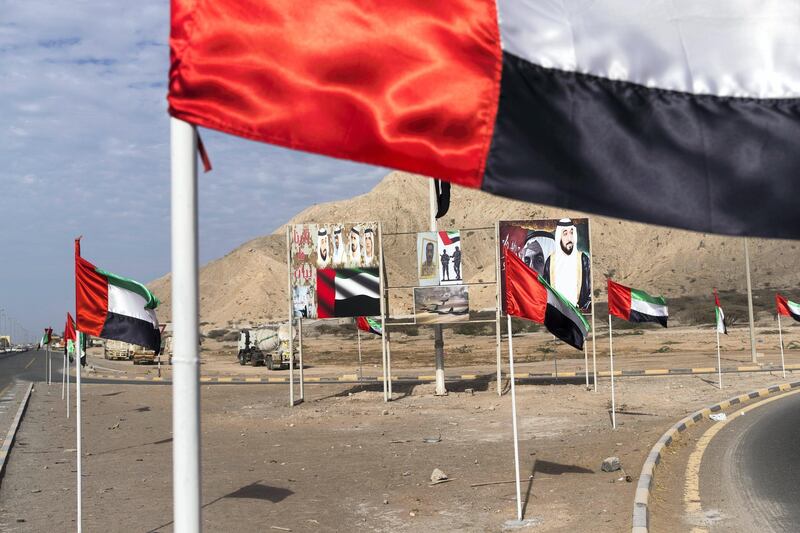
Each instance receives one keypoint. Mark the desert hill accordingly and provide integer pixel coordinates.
(249, 285)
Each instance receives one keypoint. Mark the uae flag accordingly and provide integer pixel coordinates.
(449, 238)
(48, 332)
(721, 327)
(692, 106)
(368, 324)
(345, 292)
(113, 307)
(69, 335)
(634, 305)
(787, 307)
(529, 296)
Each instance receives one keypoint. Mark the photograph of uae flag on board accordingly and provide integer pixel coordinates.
(558, 250)
(339, 248)
(434, 305)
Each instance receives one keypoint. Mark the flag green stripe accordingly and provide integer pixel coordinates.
(649, 308)
(131, 285)
(793, 307)
(564, 302)
(644, 297)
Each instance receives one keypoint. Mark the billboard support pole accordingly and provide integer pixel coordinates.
(382, 286)
(611, 357)
(438, 343)
(291, 313)
(514, 417)
(753, 354)
(498, 305)
(186, 465)
(300, 361)
(780, 338)
(591, 298)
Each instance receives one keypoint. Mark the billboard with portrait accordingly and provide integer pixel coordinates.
(330, 248)
(439, 258)
(557, 249)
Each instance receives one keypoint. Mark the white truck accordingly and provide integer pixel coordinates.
(266, 345)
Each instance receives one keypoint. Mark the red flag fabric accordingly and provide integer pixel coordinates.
(619, 300)
(403, 84)
(526, 297)
(91, 296)
(782, 304)
(69, 330)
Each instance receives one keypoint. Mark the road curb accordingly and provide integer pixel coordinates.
(641, 515)
(5, 450)
(522, 377)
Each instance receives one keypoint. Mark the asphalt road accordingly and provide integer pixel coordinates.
(750, 477)
(26, 366)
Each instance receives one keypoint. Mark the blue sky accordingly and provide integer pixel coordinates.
(84, 150)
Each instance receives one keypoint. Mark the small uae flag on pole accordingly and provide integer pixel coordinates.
(720, 315)
(529, 296)
(113, 307)
(787, 307)
(46, 337)
(635, 305)
(369, 324)
(69, 335)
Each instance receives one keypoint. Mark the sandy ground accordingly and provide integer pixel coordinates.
(344, 460)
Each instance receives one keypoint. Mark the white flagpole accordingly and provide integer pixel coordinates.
(63, 374)
(780, 337)
(360, 367)
(499, 304)
(382, 287)
(586, 364)
(611, 356)
(291, 314)
(514, 417)
(78, 351)
(185, 323)
(49, 365)
(300, 361)
(719, 361)
(66, 366)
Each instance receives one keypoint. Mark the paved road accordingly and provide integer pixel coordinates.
(751, 471)
(16, 371)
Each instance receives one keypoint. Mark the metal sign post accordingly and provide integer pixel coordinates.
(291, 313)
(499, 304)
(514, 418)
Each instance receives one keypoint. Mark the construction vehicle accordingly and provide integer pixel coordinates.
(117, 350)
(138, 354)
(266, 345)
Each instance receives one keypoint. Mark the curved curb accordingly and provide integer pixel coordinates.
(641, 515)
(5, 450)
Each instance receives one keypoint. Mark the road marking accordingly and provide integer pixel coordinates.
(691, 492)
(29, 364)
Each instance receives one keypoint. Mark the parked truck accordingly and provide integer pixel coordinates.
(266, 345)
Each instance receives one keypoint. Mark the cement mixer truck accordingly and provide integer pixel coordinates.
(266, 345)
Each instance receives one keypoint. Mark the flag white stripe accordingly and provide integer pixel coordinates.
(124, 302)
(740, 48)
(358, 285)
(720, 320)
(793, 308)
(648, 308)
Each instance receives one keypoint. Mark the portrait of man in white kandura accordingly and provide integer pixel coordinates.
(567, 268)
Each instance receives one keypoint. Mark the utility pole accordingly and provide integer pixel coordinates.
(750, 303)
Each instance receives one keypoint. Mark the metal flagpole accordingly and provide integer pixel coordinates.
(438, 343)
(186, 487)
(611, 356)
(719, 364)
(750, 303)
(382, 287)
(586, 364)
(49, 365)
(555, 363)
(360, 366)
(780, 337)
(291, 314)
(63, 374)
(66, 365)
(514, 417)
(499, 304)
(78, 351)
(591, 296)
(389, 362)
(300, 362)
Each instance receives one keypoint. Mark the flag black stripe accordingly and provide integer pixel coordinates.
(620, 149)
(133, 330)
(636, 316)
